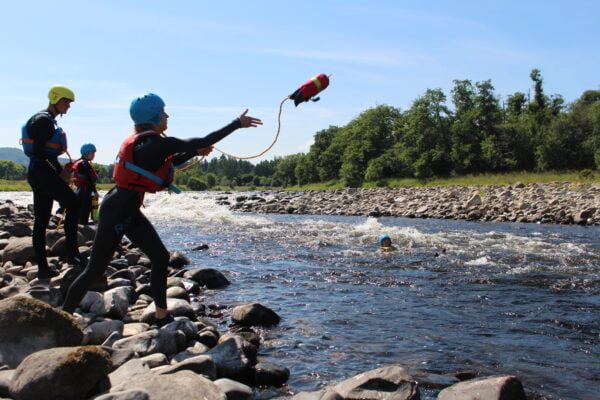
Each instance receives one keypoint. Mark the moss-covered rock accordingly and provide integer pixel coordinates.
(28, 325)
(60, 373)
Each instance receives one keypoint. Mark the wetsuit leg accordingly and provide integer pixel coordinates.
(114, 210)
(48, 183)
(85, 205)
(48, 186)
(42, 207)
(143, 235)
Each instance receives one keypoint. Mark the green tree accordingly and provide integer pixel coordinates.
(197, 184)
(368, 136)
(426, 142)
(285, 172)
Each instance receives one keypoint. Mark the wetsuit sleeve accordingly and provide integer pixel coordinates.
(41, 129)
(149, 154)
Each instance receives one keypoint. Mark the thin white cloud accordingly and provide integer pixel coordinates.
(388, 58)
(496, 52)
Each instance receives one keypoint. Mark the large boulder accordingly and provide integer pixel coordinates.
(387, 383)
(28, 325)
(489, 388)
(181, 385)
(254, 315)
(18, 250)
(209, 277)
(60, 373)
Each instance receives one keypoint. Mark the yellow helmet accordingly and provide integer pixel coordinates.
(60, 92)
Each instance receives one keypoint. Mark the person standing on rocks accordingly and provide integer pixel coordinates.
(85, 181)
(43, 141)
(144, 165)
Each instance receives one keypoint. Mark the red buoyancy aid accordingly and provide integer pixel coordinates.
(126, 178)
(82, 180)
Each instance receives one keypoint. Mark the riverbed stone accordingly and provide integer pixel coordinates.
(387, 383)
(231, 359)
(6, 377)
(208, 277)
(234, 390)
(180, 385)
(202, 364)
(19, 250)
(134, 394)
(268, 374)
(178, 260)
(98, 332)
(150, 342)
(177, 308)
(489, 388)
(130, 371)
(254, 314)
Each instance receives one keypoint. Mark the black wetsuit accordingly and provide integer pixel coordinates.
(84, 193)
(47, 185)
(120, 215)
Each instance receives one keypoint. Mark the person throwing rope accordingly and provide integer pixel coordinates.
(144, 165)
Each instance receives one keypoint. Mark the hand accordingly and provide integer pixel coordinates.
(66, 175)
(205, 151)
(248, 121)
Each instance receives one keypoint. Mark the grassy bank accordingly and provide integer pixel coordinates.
(472, 180)
(575, 177)
(23, 186)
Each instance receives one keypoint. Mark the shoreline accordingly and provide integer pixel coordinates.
(113, 341)
(546, 203)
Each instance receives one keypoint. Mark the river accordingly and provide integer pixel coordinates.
(497, 298)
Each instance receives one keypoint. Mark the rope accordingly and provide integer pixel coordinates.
(248, 157)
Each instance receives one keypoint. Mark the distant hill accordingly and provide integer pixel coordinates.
(17, 156)
(14, 155)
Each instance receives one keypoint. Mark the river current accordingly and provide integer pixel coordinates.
(521, 299)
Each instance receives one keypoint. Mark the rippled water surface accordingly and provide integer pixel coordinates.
(498, 298)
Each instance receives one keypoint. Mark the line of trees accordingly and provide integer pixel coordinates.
(477, 133)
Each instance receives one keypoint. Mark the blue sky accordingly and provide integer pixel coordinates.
(211, 60)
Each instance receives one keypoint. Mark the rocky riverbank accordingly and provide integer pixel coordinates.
(558, 203)
(110, 349)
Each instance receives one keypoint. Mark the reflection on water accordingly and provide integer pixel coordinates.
(494, 298)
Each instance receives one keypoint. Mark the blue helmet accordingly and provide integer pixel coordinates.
(87, 148)
(383, 237)
(146, 109)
